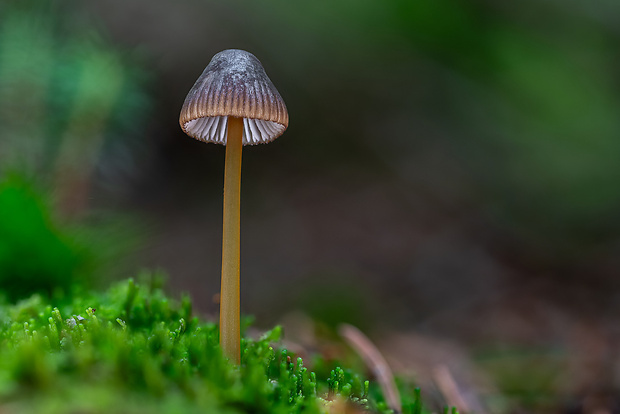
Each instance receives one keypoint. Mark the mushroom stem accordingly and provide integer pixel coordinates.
(229, 295)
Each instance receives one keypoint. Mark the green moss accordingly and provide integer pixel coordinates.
(133, 350)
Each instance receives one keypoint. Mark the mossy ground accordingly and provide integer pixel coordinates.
(132, 349)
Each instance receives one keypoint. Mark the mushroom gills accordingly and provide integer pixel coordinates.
(214, 128)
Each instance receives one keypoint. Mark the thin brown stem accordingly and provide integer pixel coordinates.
(229, 296)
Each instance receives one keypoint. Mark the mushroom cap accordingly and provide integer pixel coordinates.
(235, 84)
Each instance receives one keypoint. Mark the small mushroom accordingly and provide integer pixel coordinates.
(233, 103)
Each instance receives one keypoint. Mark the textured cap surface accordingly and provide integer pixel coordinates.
(235, 84)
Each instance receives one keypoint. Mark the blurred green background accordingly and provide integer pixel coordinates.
(450, 169)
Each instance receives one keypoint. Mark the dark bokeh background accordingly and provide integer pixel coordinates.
(450, 170)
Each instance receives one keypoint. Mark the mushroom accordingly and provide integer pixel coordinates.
(233, 103)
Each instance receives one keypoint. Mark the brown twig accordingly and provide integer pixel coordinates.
(375, 361)
(449, 388)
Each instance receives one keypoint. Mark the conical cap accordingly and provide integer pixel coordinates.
(235, 84)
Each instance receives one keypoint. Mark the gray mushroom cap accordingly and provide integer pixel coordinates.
(235, 84)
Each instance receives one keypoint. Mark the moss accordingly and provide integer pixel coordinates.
(133, 350)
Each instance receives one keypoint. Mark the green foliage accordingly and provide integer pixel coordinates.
(70, 101)
(132, 349)
(41, 253)
(35, 255)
